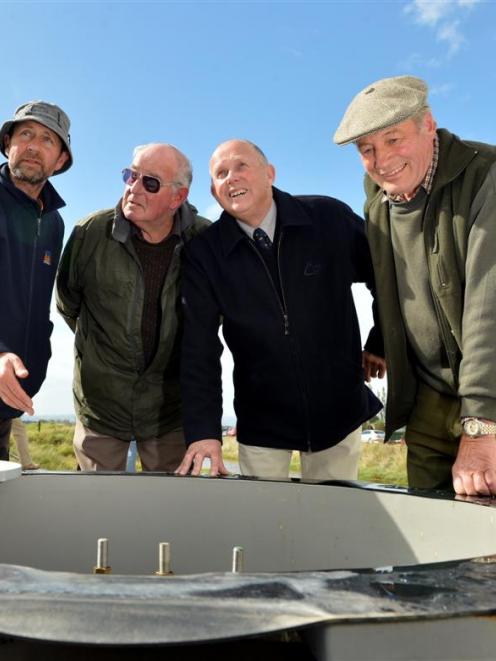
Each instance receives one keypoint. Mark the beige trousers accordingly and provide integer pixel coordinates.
(98, 452)
(20, 436)
(337, 463)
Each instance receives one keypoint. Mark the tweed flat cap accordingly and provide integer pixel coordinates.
(384, 103)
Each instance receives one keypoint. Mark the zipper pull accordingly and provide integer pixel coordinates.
(286, 324)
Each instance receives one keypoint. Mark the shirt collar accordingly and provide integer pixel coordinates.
(268, 224)
(428, 180)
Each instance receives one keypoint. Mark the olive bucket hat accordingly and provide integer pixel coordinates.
(48, 114)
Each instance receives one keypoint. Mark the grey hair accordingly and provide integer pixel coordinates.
(184, 174)
(418, 117)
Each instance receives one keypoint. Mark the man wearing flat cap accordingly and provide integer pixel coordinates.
(431, 223)
(37, 145)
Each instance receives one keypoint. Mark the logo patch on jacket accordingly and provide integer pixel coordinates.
(312, 268)
(47, 258)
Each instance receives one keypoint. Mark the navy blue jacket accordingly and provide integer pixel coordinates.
(298, 378)
(30, 246)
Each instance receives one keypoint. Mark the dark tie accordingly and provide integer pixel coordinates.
(261, 239)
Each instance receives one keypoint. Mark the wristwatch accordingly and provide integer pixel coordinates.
(475, 427)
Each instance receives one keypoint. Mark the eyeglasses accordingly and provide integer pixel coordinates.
(150, 184)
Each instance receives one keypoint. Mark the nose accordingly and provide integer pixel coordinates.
(232, 177)
(135, 183)
(33, 145)
(381, 156)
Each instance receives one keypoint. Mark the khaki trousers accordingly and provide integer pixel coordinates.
(98, 452)
(432, 437)
(20, 436)
(337, 463)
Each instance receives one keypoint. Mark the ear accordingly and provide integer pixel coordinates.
(212, 190)
(271, 173)
(179, 197)
(61, 161)
(429, 123)
(6, 144)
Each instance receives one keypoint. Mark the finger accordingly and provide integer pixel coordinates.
(184, 466)
(17, 398)
(480, 485)
(468, 484)
(490, 477)
(217, 467)
(197, 464)
(222, 469)
(19, 368)
(458, 486)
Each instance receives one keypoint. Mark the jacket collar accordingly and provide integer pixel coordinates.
(289, 213)
(50, 198)
(122, 228)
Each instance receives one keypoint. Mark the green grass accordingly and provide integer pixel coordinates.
(51, 447)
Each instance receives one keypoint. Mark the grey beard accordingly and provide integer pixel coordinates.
(17, 173)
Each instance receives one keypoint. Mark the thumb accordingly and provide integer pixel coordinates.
(19, 368)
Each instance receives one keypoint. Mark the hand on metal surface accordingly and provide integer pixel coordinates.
(374, 366)
(11, 369)
(196, 454)
(474, 471)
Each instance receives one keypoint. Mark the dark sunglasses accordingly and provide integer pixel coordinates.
(150, 184)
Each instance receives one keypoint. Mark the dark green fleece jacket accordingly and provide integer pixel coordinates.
(460, 247)
(100, 293)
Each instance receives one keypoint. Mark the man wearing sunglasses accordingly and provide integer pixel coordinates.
(117, 288)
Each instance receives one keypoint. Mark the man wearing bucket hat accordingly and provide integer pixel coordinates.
(37, 145)
(431, 223)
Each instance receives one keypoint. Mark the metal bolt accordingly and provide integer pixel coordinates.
(164, 563)
(102, 566)
(238, 559)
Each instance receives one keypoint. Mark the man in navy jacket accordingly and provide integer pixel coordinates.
(37, 144)
(277, 271)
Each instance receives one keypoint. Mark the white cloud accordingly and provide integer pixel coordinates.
(429, 13)
(450, 33)
(441, 90)
(443, 16)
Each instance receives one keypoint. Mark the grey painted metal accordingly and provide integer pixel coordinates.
(9, 470)
(282, 526)
(288, 530)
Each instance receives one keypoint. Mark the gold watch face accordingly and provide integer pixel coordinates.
(472, 427)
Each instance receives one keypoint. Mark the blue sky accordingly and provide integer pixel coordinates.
(196, 73)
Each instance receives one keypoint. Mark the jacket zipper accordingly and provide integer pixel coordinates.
(282, 304)
(31, 286)
(446, 333)
(280, 298)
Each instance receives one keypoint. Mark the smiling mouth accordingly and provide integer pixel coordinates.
(238, 193)
(393, 173)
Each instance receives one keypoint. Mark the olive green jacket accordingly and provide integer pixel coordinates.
(460, 248)
(100, 292)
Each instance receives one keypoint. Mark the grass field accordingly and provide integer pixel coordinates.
(51, 447)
